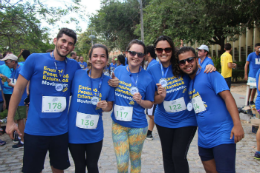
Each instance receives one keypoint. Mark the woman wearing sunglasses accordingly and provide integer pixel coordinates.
(175, 121)
(91, 95)
(134, 93)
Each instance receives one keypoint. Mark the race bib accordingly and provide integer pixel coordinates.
(198, 104)
(175, 105)
(257, 61)
(13, 81)
(52, 104)
(86, 121)
(123, 113)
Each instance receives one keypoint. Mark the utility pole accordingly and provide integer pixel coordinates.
(142, 23)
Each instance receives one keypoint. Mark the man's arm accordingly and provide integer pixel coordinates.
(246, 68)
(14, 101)
(237, 129)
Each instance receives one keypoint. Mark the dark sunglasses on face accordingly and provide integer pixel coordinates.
(189, 60)
(133, 53)
(160, 50)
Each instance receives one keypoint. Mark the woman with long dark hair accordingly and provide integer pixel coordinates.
(175, 121)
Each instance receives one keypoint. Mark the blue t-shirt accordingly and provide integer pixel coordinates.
(83, 65)
(2, 63)
(254, 64)
(257, 101)
(152, 63)
(215, 123)
(205, 62)
(14, 75)
(112, 67)
(123, 97)
(1, 86)
(40, 70)
(176, 89)
(81, 102)
(5, 70)
(126, 61)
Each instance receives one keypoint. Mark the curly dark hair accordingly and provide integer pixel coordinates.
(175, 67)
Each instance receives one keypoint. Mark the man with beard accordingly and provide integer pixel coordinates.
(46, 129)
(219, 126)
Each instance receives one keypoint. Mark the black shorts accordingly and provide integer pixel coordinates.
(224, 156)
(36, 147)
(228, 80)
(7, 99)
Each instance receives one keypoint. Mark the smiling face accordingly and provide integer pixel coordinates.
(191, 67)
(98, 58)
(164, 57)
(135, 61)
(64, 45)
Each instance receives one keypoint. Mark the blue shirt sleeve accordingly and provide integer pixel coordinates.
(217, 82)
(248, 58)
(28, 67)
(150, 90)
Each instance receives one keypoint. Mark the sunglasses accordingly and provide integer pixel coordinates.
(189, 60)
(160, 50)
(133, 53)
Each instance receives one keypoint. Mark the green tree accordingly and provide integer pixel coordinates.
(207, 21)
(20, 24)
(116, 21)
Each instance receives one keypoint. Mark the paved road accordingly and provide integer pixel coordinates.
(11, 159)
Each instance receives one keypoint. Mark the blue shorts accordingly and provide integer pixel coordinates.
(35, 150)
(224, 156)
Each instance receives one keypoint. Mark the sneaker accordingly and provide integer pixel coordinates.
(16, 140)
(149, 137)
(251, 103)
(17, 146)
(257, 155)
(2, 143)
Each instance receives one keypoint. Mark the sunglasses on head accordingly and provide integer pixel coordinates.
(160, 50)
(133, 53)
(189, 60)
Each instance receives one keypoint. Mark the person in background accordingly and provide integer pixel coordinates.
(73, 55)
(203, 52)
(227, 64)
(253, 62)
(150, 57)
(113, 64)
(120, 60)
(81, 62)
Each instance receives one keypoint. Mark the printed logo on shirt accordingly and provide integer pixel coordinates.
(174, 84)
(50, 77)
(123, 90)
(85, 94)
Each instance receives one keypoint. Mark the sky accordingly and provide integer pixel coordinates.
(89, 7)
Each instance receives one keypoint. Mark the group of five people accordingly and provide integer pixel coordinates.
(182, 105)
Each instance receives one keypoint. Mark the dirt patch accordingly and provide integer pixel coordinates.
(238, 89)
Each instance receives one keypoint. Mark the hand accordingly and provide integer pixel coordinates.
(10, 128)
(161, 90)
(246, 77)
(238, 133)
(21, 50)
(102, 104)
(234, 65)
(138, 98)
(114, 82)
(210, 68)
